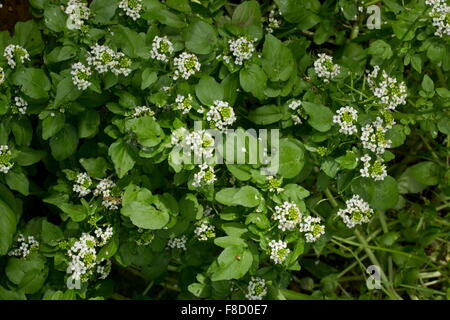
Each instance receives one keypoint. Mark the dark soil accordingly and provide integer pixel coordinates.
(13, 11)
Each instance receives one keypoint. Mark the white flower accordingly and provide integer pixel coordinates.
(78, 11)
(82, 184)
(357, 211)
(273, 22)
(186, 65)
(5, 159)
(20, 106)
(2, 75)
(83, 255)
(257, 289)
(162, 49)
(123, 65)
(199, 142)
(278, 251)
(325, 68)
(345, 118)
(24, 246)
(103, 235)
(81, 75)
(177, 243)
(204, 230)
(104, 189)
(274, 184)
(142, 111)
(299, 112)
(388, 90)
(373, 137)
(242, 49)
(312, 228)
(221, 115)
(288, 216)
(104, 270)
(102, 58)
(184, 103)
(375, 170)
(14, 51)
(440, 13)
(132, 8)
(205, 176)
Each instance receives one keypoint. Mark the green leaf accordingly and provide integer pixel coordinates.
(95, 167)
(52, 125)
(51, 234)
(138, 205)
(233, 263)
(266, 114)
(246, 196)
(33, 82)
(200, 37)
(427, 84)
(88, 123)
(247, 18)
(348, 161)
(121, 155)
(147, 130)
(300, 11)
(22, 130)
(148, 78)
(8, 223)
(104, 10)
(381, 195)
(277, 60)
(18, 181)
(28, 274)
(64, 143)
(27, 156)
(291, 157)
(66, 91)
(54, 18)
(320, 117)
(60, 54)
(27, 35)
(253, 80)
(208, 90)
(132, 43)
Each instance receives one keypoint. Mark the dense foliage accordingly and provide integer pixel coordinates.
(98, 99)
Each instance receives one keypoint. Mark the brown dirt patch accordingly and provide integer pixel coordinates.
(13, 11)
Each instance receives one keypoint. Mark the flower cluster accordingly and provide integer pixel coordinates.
(105, 189)
(242, 49)
(312, 228)
(205, 176)
(389, 92)
(325, 68)
(257, 289)
(5, 159)
(346, 117)
(440, 12)
(186, 65)
(81, 75)
(25, 245)
(278, 251)
(288, 216)
(2, 75)
(162, 48)
(78, 12)
(83, 255)
(273, 22)
(373, 137)
(184, 103)
(104, 59)
(14, 51)
(82, 184)
(177, 243)
(221, 115)
(204, 230)
(132, 8)
(375, 170)
(357, 211)
(274, 184)
(300, 113)
(200, 142)
(142, 111)
(20, 106)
